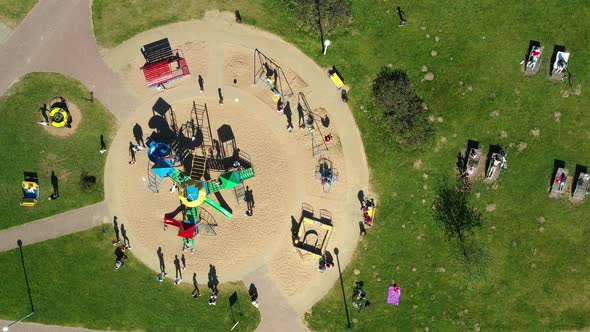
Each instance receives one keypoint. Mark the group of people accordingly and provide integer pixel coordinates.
(325, 263)
(64, 106)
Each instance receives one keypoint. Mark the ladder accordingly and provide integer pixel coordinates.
(199, 164)
(154, 181)
(200, 115)
(246, 174)
(213, 187)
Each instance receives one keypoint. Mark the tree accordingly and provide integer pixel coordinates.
(402, 108)
(451, 210)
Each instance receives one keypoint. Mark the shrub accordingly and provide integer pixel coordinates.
(402, 108)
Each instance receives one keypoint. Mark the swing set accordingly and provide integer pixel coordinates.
(271, 74)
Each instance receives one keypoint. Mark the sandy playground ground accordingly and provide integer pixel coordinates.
(221, 51)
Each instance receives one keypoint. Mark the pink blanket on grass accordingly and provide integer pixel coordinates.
(393, 296)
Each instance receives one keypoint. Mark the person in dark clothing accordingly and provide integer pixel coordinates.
(44, 113)
(249, 198)
(125, 238)
(201, 84)
(132, 153)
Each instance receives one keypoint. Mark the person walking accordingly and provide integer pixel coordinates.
(178, 270)
(220, 96)
(125, 238)
(44, 112)
(103, 145)
(132, 150)
(163, 273)
(249, 198)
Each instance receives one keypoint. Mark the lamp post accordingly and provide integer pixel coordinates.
(336, 252)
(22, 258)
(326, 44)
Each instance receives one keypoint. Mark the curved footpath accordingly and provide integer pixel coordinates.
(39, 44)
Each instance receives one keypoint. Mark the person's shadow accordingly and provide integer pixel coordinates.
(212, 276)
(177, 267)
(55, 184)
(288, 114)
(138, 134)
(161, 259)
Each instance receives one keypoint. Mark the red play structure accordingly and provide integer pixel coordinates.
(162, 64)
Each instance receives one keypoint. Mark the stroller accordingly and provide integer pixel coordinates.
(119, 262)
(359, 296)
(121, 257)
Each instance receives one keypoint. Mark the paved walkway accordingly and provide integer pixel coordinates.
(34, 327)
(57, 36)
(55, 226)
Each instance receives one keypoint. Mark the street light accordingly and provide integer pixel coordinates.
(326, 44)
(22, 258)
(336, 252)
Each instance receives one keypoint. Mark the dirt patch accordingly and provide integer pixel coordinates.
(238, 65)
(522, 146)
(503, 134)
(417, 164)
(557, 116)
(495, 114)
(491, 207)
(536, 132)
(63, 131)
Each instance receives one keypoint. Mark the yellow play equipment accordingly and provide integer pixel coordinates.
(313, 233)
(59, 117)
(336, 77)
(30, 187)
(194, 190)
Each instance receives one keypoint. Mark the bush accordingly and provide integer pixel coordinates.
(334, 14)
(402, 108)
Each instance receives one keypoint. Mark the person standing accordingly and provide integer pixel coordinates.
(103, 145)
(132, 150)
(125, 238)
(201, 84)
(220, 96)
(249, 198)
(44, 112)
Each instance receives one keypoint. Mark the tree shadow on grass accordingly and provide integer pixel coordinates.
(474, 268)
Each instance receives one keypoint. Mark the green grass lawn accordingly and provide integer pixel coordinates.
(29, 148)
(12, 12)
(73, 284)
(532, 252)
